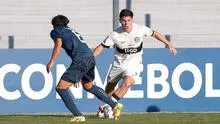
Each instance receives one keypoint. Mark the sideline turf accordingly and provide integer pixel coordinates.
(140, 118)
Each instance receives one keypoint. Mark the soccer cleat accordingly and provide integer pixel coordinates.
(117, 110)
(78, 119)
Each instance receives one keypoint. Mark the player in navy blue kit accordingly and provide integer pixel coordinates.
(81, 69)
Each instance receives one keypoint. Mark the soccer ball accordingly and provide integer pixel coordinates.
(105, 111)
(108, 112)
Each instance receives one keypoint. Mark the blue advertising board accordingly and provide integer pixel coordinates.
(188, 82)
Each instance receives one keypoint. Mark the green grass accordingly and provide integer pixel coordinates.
(141, 118)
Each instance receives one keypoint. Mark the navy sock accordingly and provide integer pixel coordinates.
(68, 99)
(115, 96)
(101, 94)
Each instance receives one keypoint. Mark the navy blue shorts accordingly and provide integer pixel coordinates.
(80, 69)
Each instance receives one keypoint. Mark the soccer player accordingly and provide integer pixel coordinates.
(81, 69)
(127, 41)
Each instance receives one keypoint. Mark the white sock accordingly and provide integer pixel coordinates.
(115, 100)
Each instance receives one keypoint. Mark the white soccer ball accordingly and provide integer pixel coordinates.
(108, 112)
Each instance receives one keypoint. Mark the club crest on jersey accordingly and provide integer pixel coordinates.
(137, 39)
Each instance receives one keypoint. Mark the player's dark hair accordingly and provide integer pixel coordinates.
(126, 12)
(59, 20)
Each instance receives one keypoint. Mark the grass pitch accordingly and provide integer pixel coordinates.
(137, 118)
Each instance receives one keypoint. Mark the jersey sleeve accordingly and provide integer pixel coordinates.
(108, 42)
(147, 31)
(54, 34)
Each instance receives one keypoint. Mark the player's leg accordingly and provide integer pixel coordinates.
(87, 82)
(129, 75)
(99, 93)
(114, 76)
(67, 97)
(71, 76)
(122, 90)
(110, 88)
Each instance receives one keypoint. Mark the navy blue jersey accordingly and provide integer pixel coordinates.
(72, 42)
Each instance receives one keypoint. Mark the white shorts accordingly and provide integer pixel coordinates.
(116, 73)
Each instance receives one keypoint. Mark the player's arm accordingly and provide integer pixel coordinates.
(98, 50)
(161, 38)
(56, 51)
(107, 43)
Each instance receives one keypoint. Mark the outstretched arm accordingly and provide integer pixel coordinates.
(56, 51)
(98, 50)
(161, 38)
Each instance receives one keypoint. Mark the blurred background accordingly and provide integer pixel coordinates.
(187, 23)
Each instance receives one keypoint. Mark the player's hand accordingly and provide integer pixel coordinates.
(49, 66)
